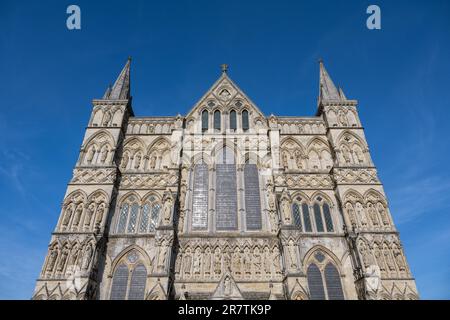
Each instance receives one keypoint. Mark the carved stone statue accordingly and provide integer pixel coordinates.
(237, 262)
(153, 162)
(187, 261)
(78, 213)
(87, 257)
(372, 214)
(342, 118)
(167, 209)
(276, 260)
(298, 160)
(383, 214)
(104, 154)
(137, 161)
(388, 259)
(89, 214)
(267, 261)
(246, 262)
(125, 160)
(361, 214)
(178, 263)
(197, 262)
(351, 214)
(217, 262)
(379, 257)
(62, 260)
(286, 207)
(372, 281)
(67, 215)
(292, 256)
(207, 261)
(257, 261)
(107, 118)
(399, 259)
(52, 260)
(99, 214)
(271, 195)
(346, 154)
(90, 155)
(285, 160)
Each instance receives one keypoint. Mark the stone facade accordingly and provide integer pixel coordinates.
(225, 203)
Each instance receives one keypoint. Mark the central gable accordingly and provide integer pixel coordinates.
(225, 95)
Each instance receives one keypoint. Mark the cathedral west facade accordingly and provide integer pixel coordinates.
(225, 203)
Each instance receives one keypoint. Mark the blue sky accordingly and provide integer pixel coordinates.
(399, 74)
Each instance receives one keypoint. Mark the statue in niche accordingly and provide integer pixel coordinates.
(137, 161)
(372, 281)
(246, 262)
(342, 118)
(276, 260)
(182, 196)
(270, 195)
(361, 214)
(178, 263)
(89, 214)
(217, 262)
(52, 260)
(153, 162)
(162, 256)
(197, 261)
(87, 257)
(399, 259)
(388, 259)
(207, 263)
(167, 209)
(227, 286)
(125, 160)
(379, 257)
(67, 215)
(351, 214)
(292, 255)
(257, 261)
(107, 118)
(298, 160)
(237, 261)
(267, 261)
(383, 214)
(346, 154)
(62, 260)
(99, 215)
(104, 154)
(73, 257)
(359, 154)
(187, 263)
(90, 155)
(286, 207)
(365, 255)
(372, 214)
(285, 160)
(78, 213)
(226, 260)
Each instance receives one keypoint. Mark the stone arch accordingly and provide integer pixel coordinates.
(158, 154)
(144, 258)
(308, 258)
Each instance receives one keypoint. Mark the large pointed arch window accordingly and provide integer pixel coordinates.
(301, 215)
(233, 122)
(226, 190)
(217, 120)
(252, 197)
(134, 219)
(324, 280)
(322, 215)
(205, 117)
(245, 121)
(129, 279)
(200, 196)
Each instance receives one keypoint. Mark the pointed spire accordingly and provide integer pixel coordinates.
(328, 90)
(121, 88)
(107, 93)
(341, 94)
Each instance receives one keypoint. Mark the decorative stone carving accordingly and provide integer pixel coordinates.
(93, 176)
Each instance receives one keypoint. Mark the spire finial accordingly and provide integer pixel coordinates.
(224, 68)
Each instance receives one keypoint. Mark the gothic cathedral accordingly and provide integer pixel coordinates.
(225, 203)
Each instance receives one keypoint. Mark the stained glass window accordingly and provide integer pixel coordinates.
(133, 218)
(252, 197)
(315, 283)
(297, 215)
(144, 218)
(233, 120)
(217, 120)
(155, 216)
(119, 283)
(245, 122)
(226, 197)
(306, 217)
(200, 197)
(327, 215)
(137, 283)
(318, 218)
(123, 218)
(333, 282)
(204, 120)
